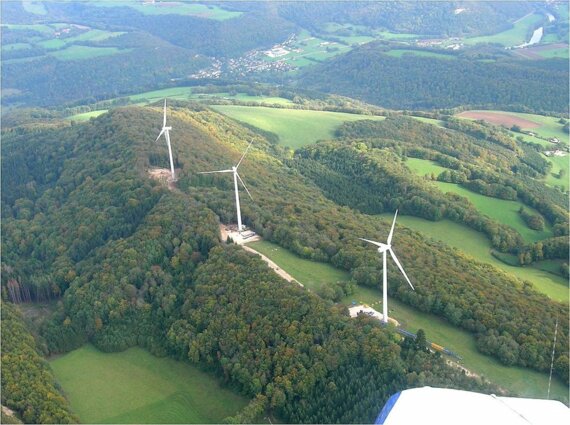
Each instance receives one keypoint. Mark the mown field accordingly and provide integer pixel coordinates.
(311, 274)
(424, 166)
(504, 211)
(476, 245)
(134, 386)
(518, 34)
(86, 116)
(546, 127)
(559, 163)
(398, 53)
(520, 381)
(295, 127)
(63, 46)
(209, 11)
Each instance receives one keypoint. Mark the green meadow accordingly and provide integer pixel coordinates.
(558, 163)
(86, 116)
(504, 211)
(518, 34)
(76, 52)
(295, 127)
(134, 386)
(185, 93)
(477, 245)
(561, 53)
(548, 126)
(313, 275)
(398, 53)
(35, 7)
(424, 166)
(209, 11)
(438, 123)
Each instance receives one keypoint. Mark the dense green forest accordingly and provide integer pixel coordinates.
(369, 74)
(28, 385)
(422, 17)
(152, 274)
(132, 272)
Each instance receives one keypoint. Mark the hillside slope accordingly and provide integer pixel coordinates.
(137, 264)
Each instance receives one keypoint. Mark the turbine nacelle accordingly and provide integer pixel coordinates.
(384, 248)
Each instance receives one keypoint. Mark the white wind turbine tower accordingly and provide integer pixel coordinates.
(236, 177)
(166, 131)
(383, 249)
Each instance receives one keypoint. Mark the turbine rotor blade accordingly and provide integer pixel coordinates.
(400, 267)
(160, 134)
(243, 156)
(220, 171)
(244, 186)
(164, 119)
(392, 229)
(379, 244)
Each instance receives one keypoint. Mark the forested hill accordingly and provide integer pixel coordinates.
(137, 264)
(369, 74)
(419, 17)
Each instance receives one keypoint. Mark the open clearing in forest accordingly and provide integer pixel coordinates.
(558, 163)
(501, 210)
(295, 127)
(311, 274)
(496, 118)
(478, 246)
(134, 386)
(314, 275)
(86, 116)
(543, 126)
(208, 11)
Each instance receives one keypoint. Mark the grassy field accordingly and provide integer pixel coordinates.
(35, 7)
(173, 8)
(75, 52)
(424, 166)
(135, 387)
(437, 123)
(555, 53)
(521, 381)
(478, 246)
(311, 274)
(548, 126)
(86, 116)
(15, 46)
(398, 53)
(503, 211)
(185, 93)
(295, 127)
(519, 34)
(558, 163)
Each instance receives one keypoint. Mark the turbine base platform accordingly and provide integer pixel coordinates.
(245, 236)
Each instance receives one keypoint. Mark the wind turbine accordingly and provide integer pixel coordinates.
(166, 131)
(383, 249)
(236, 177)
